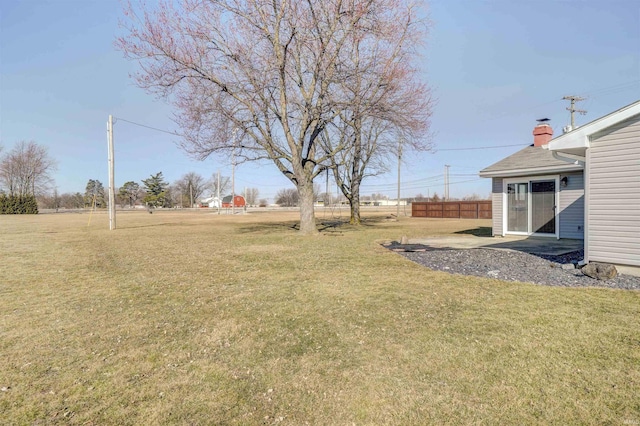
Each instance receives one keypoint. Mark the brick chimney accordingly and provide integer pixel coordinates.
(542, 133)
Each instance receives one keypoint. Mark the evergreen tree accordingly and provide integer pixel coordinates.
(94, 191)
(130, 192)
(156, 189)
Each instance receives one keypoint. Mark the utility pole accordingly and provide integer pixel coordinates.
(398, 197)
(572, 109)
(446, 182)
(233, 174)
(112, 194)
(327, 198)
(218, 193)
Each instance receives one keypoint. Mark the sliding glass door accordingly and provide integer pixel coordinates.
(530, 206)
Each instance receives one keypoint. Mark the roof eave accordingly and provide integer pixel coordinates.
(531, 171)
(577, 141)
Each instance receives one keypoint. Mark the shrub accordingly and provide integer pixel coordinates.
(16, 204)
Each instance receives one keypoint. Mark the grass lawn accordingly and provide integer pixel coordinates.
(194, 318)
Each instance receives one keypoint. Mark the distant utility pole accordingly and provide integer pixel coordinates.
(572, 109)
(233, 174)
(446, 182)
(112, 193)
(399, 162)
(327, 197)
(218, 193)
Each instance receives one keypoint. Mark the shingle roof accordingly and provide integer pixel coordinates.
(530, 160)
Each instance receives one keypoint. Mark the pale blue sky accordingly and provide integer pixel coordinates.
(495, 67)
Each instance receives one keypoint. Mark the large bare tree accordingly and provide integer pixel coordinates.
(386, 107)
(26, 169)
(257, 79)
(192, 187)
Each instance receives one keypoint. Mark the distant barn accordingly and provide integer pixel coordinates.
(238, 201)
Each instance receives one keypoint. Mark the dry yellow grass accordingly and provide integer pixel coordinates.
(195, 318)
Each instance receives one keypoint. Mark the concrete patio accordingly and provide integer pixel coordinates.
(533, 245)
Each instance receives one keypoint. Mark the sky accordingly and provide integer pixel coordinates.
(494, 68)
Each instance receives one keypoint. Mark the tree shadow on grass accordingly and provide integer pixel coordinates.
(480, 231)
(332, 227)
(156, 225)
(268, 227)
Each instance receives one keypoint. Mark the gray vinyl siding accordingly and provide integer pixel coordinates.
(614, 194)
(496, 198)
(572, 206)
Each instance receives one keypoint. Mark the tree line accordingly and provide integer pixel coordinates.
(152, 192)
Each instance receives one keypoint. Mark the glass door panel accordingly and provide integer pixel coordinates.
(518, 207)
(543, 207)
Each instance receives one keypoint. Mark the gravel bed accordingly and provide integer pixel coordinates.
(512, 266)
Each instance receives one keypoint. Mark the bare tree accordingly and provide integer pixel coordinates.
(258, 79)
(66, 201)
(287, 197)
(225, 185)
(190, 188)
(26, 169)
(472, 197)
(251, 196)
(386, 108)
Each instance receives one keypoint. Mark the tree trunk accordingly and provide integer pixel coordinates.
(354, 203)
(307, 215)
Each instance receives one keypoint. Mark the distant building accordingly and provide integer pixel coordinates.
(238, 201)
(211, 202)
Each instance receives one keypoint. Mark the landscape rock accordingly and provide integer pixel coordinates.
(568, 266)
(600, 271)
(515, 266)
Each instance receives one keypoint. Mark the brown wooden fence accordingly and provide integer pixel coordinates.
(452, 209)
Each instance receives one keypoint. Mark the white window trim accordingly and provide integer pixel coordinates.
(528, 180)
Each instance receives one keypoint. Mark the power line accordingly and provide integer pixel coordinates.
(612, 89)
(479, 147)
(147, 127)
(465, 181)
(591, 92)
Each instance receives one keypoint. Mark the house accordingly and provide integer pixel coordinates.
(238, 201)
(583, 184)
(211, 202)
(535, 193)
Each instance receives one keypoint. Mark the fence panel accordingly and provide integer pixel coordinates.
(452, 209)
